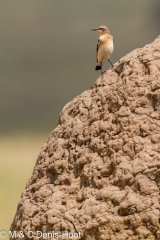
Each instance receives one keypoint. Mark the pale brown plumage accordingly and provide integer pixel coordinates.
(105, 46)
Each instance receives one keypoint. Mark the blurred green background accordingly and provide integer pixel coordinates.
(47, 58)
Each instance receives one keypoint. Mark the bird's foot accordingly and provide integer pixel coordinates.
(102, 73)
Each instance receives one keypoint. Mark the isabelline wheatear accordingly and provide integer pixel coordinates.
(105, 46)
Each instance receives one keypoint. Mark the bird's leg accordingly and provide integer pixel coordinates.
(101, 70)
(110, 63)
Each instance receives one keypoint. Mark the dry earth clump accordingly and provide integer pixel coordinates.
(99, 172)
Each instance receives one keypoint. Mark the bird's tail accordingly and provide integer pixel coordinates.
(98, 67)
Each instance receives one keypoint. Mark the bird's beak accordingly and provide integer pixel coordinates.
(95, 29)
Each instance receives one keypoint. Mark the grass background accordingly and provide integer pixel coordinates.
(47, 58)
(18, 152)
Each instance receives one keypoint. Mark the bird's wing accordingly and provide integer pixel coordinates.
(98, 44)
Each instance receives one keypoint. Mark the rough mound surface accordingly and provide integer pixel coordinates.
(99, 171)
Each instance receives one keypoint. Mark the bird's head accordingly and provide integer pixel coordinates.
(101, 30)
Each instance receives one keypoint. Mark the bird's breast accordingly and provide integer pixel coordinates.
(109, 47)
(106, 50)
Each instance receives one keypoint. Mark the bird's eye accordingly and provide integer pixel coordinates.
(100, 28)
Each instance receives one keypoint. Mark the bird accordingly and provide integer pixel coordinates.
(105, 46)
